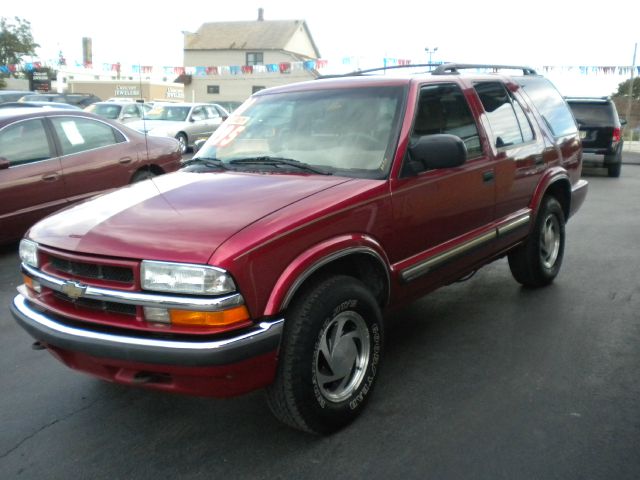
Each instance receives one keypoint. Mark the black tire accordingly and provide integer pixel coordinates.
(184, 142)
(329, 357)
(613, 163)
(536, 262)
(141, 175)
(613, 170)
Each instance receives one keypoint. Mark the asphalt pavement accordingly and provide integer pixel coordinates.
(481, 380)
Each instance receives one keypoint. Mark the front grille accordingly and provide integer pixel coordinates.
(111, 307)
(88, 270)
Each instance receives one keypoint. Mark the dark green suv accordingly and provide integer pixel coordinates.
(600, 132)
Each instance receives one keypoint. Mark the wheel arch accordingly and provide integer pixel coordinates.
(558, 184)
(366, 263)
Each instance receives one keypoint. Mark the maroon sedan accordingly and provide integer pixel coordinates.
(52, 158)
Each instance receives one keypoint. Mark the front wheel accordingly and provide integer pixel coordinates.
(184, 144)
(329, 357)
(537, 262)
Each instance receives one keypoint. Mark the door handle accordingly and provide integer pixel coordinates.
(50, 177)
(125, 160)
(488, 176)
(538, 159)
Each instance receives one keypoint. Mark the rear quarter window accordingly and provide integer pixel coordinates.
(550, 104)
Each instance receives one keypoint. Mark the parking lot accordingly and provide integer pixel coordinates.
(482, 379)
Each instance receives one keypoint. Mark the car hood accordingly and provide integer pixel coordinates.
(148, 125)
(182, 217)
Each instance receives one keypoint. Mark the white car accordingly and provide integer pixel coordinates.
(187, 122)
(123, 111)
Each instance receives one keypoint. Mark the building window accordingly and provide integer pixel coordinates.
(256, 88)
(255, 58)
(213, 89)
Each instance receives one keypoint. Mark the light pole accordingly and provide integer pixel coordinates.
(430, 51)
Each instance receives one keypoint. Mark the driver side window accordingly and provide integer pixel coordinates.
(441, 109)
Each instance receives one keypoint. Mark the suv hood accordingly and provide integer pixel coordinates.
(182, 217)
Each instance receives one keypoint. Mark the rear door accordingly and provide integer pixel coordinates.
(32, 186)
(94, 155)
(518, 147)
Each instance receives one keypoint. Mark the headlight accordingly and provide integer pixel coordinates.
(29, 253)
(185, 278)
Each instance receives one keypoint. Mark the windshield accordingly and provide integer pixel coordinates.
(107, 111)
(172, 113)
(344, 131)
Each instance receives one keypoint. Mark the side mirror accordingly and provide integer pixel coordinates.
(623, 122)
(4, 163)
(438, 151)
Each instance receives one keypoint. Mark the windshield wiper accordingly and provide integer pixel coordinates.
(210, 162)
(275, 161)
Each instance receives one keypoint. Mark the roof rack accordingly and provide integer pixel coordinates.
(356, 73)
(439, 69)
(454, 68)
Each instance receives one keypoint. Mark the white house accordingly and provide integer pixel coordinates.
(229, 61)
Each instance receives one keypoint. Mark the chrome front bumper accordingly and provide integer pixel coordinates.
(260, 339)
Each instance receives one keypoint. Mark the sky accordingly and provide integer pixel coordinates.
(540, 33)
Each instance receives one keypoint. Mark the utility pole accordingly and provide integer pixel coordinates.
(633, 71)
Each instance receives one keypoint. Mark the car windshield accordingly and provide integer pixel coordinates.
(108, 111)
(345, 131)
(172, 113)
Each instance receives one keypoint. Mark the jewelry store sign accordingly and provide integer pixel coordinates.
(127, 91)
(175, 93)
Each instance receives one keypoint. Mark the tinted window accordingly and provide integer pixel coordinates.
(594, 113)
(523, 121)
(550, 104)
(500, 113)
(105, 110)
(443, 109)
(24, 142)
(80, 134)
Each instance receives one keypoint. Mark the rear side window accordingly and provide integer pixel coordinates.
(80, 134)
(550, 104)
(508, 121)
(24, 142)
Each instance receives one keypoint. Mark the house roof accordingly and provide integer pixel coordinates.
(255, 35)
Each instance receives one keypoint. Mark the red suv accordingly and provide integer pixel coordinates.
(268, 261)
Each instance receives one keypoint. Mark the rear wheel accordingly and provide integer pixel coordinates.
(329, 357)
(536, 262)
(613, 163)
(142, 175)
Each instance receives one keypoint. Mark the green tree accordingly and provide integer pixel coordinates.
(623, 89)
(16, 40)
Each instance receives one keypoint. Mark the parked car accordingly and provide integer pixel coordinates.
(123, 112)
(65, 106)
(78, 99)
(12, 95)
(52, 158)
(229, 106)
(268, 261)
(186, 122)
(600, 132)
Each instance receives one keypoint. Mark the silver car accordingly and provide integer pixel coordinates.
(187, 122)
(123, 112)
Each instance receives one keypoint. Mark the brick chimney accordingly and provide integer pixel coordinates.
(261, 14)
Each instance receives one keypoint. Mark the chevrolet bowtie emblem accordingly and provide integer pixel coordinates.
(73, 290)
